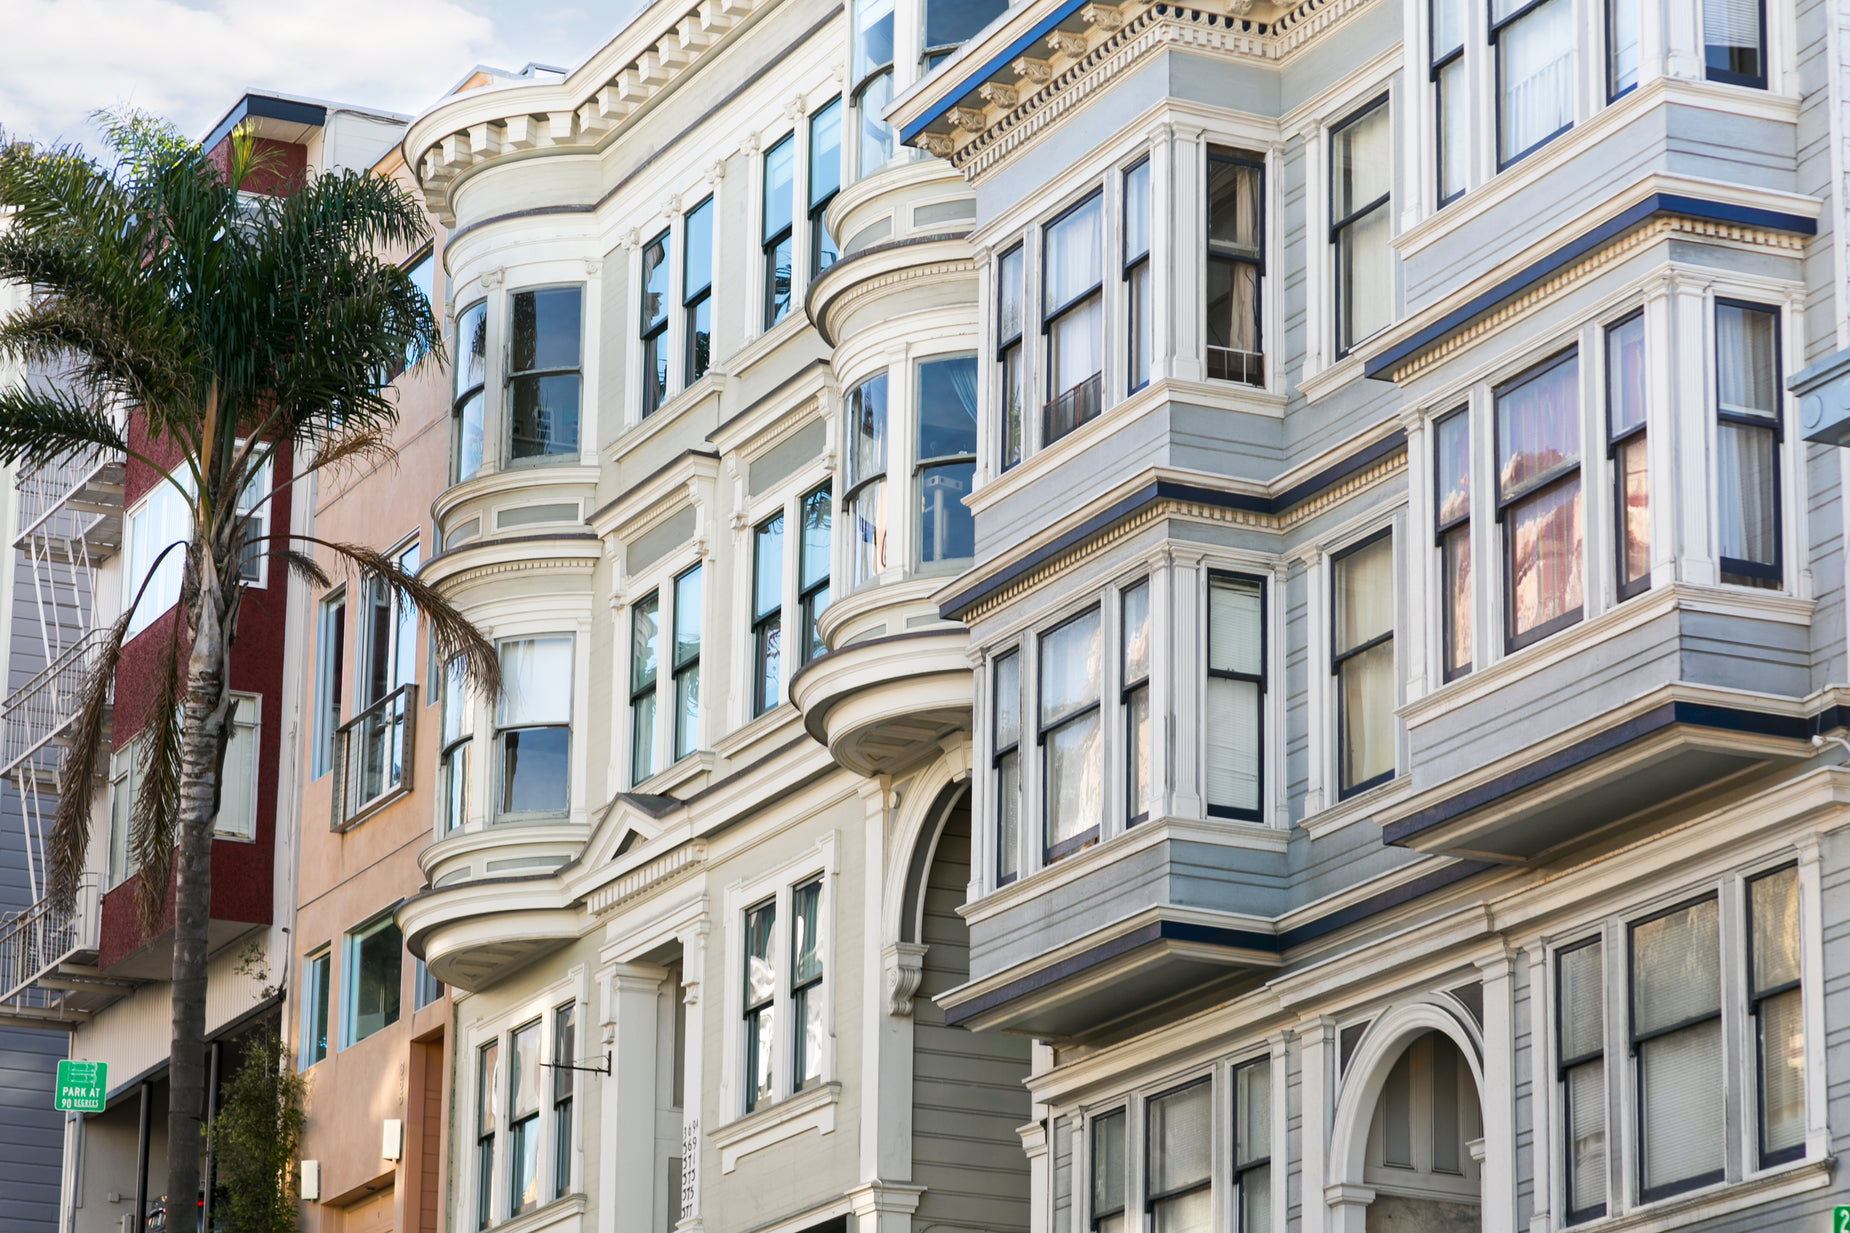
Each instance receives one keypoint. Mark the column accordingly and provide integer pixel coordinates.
(693, 969)
(1316, 1049)
(1690, 418)
(886, 1018)
(1498, 1098)
(1187, 233)
(632, 991)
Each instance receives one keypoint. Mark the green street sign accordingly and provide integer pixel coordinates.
(82, 1086)
(1840, 1219)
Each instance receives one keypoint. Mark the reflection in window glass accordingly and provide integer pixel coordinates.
(466, 408)
(654, 323)
(866, 501)
(697, 289)
(686, 667)
(373, 963)
(1364, 665)
(1452, 462)
(813, 568)
(1006, 742)
(534, 725)
(1734, 41)
(824, 183)
(1072, 306)
(1779, 1030)
(767, 611)
(1180, 1184)
(779, 245)
(1677, 1039)
(1361, 178)
(806, 1001)
(760, 996)
(523, 1119)
(946, 458)
(1108, 1173)
(1535, 74)
(543, 384)
(1538, 492)
(643, 628)
(1072, 768)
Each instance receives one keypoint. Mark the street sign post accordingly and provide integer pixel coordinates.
(82, 1086)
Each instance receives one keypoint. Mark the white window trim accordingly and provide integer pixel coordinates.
(132, 579)
(786, 499)
(1322, 794)
(574, 725)
(584, 281)
(660, 580)
(263, 482)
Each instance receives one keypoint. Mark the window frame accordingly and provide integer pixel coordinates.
(1340, 225)
(694, 299)
(1444, 529)
(1338, 658)
(858, 484)
(1095, 1215)
(1260, 679)
(1054, 853)
(769, 241)
(1549, 480)
(819, 239)
(453, 752)
(1650, 1194)
(330, 674)
(1052, 315)
(501, 729)
(555, 1155)
(645, 693)
(351, 942)
(766, 624)
(814, 598)
(1769, 577)
(680, 668)
(776, 891)
(1236, 1174)
(1563, 1065)
(1759, 81)
(1616, 440)
(1139, 309)
(889, 68)
(801, 988)
(653, 331)
(256, 506)
(921, 464)
(459, 398)
(1227, 155)
(1755, 997)
(316, 1044)
(1151, 1196)
(518, 1127)
(1128, 687)
(1013, 368)
(511, 377)
(1610, 75)
(1437, 63)
(999, 752)
(563, 1101)
(1504, 163)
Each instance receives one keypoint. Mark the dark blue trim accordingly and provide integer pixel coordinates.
(1167, 490)
(991, 67)
(1574, 250)
(265, 107)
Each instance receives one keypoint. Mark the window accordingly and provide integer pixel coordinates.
(1069, 735)
(564, 1057)
(824, 182)
(1236, 696)
(1072, 312)
(533, 726)
(1180, 1192)
(1134, 678)
(1235, 261)
(813, 569)
(124, 779)
(946, 467)
(466, 406)
(1252, 1145)
(487, 1084)
(425, 988)
(1006, 763)
(767, 610)
(1136, 277)
(1532, 42)
(1778, 1014)
(1361, 225)
(1677, 1046)
(543, 382)
(315, 1007)
(1625, 427)
(1108, 1173)
(253, 507)
(1451, 97)
(1009, 351)
(1734, 41)
(1364, 664)
(873, 77)
(949, 23)
(686, 667)
(1452, 517)
(162, 518)
(1621, 47)
(697, 289)
(372, 743)
(866, 498)
(806, 1003)
(372, 963)
(523, 1119)
(237, 781)
(1538, 499)
(780, 166)
(330, 673)
(1581, 1024)
(1748, 433)
(454, 770)
(654, 324)
(760, 1008)
(644, 627)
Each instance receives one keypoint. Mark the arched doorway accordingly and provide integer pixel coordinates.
(968, 1096)
(1425, 1142)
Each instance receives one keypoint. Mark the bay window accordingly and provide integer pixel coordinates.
(946, 459)
(1452, 518)
(523, 1119)
(1235, 262)
(1072, 314)
(1009, 316)
(1581, 1067)
(1734, 41)
(1252, 1145)
(808, 1025)
(453, 772)
(1071, 762)
(1776, 1005)
(873, 78)
(697, 289)
(1134, 690)
(1748, 433)
(471, 375)
(778, 242)
(1005, 763)
(1452, 104)
(1533, 46)
(813, 568)
(1538, 499)
(1136, 276)
(533, 726)
(760, 1009)
(685, 670)
(543, 383)
(824, 182)
(767, 610)
(1621, 47)
(1235, 726)
(1363, 663)
(866, 497)
(654, 323)
(644, 623)
(1676, 1037)
(1625, 427)
(1179, 1192)
(1361, 224)
(1108, 1172)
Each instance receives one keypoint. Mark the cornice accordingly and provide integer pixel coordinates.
(480, 560)
(850, 283)
(671, 866)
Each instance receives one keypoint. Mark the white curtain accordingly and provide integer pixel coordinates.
(1233, 743)
(1744, 475)
(1731, 23)
(1744, 341)
(1537, 53)
(1075, 254)
(537, 677)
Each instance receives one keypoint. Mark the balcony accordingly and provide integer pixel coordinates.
(72, 508)
(47, 958)
(373, 756)
(42, 710)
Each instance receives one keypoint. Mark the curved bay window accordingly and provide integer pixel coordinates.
(946, 467)
(1072, 765)
(1236, 227)
(533, 727)
(1747, 437)
(1072, 317)
(873, 83)
(1538, 499)
(866, 496)
(543, 382)
(466, 405)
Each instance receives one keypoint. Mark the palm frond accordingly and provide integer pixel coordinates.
(70, 827)
(41, 423)
(156, 808)
(302, 566)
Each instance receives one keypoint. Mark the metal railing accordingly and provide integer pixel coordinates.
(37, 940)
(42, 708)
(69, 496)
(1079, 405)
(1233, 364)
(373, 752)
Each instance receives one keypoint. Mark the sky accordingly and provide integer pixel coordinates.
(190, 60)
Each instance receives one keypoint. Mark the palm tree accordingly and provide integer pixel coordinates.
(231, 325)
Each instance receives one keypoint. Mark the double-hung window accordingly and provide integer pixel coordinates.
(533, 726)
(1009, 353)
(487, 1126)
(1108, 1172)
(873, 82)
(315, 989)
(237, 783)
(1361, 224)
(1625, 436)
(779, 243)
(1071, 665)
(1179, 1191)
(1451, 98)
(1538, 499)
(253, 508)
(1235, 261)
(784, 1024)
(1072, 317)
(760, 1026)
(1452, 518)
(1774, 997)
(808, 1023)
(1676, 1041)
(543, 381)
(654, 323)
(1363, 663)
(685, 670)
(1136, 276)
(866, 496)
(1734, 41)
(164, 517)
(1006, 764)
(330, 675)
(946, 459)
(1622, 47)
(1252, 1145)
(1747, 433)
(454, 756)
(824, 183)
(1532, 42)
(677, 665)
(523, 1119)
(466, 406)
(371, 964)
(1581, 1064)
(697, 289)
(645, 641)
(1235, 696)
(564, 1058)
(1134, 691)
(767, 610)
(813, 568)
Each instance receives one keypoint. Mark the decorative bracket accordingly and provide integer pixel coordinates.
(905, 968)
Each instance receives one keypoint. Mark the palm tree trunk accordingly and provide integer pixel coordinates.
(207, 704)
